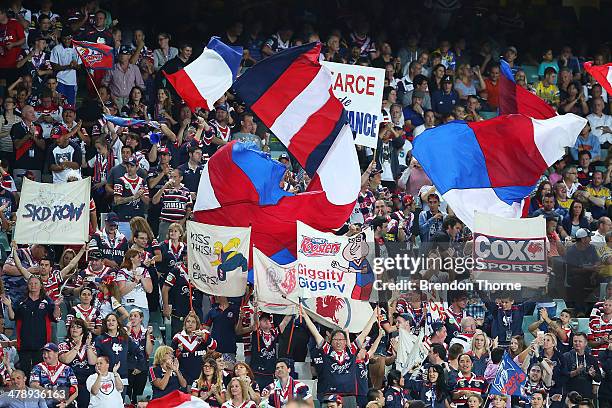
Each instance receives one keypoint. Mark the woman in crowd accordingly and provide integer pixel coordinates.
(101, 163)
(190, 345)
(433, 391)
(480, 352)
(134, 283)
(498, 401)
(209, 386)
(536, 201)
(143, 337)
(165, 52)
(437, 73)
(115, 343)
(164, 108)
(238, 395)
(165, 374)
(172, 250)
(394, 392)
(79, 353)
(559, 328)
(575, 219)
(465, 84)
(110, 382)
(244, 373)
(517, 346)
(575, 101)
(109, 299)
(8, 118)
(135, 108)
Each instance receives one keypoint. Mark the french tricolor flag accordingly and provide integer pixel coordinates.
(602, 74)
(291, 93)
(177, 399)
(491, 166)
(206, 79)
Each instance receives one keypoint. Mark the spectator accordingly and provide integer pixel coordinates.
(64, 157)
(491, 91)
(285, 388)
(29, 146)
(33, 315)
(444, 100)
(604, 225)
(546, 88)
(238, 395)
(10, 44)
(137, 378)
(122, 78)
(165, 374)
(51, 374)
(582, 367)
(131, 195)
(175, 201)
(209, 386)
(7, 120)
(575, 219)
(389, 143)
(547, 62)
(192, 169)
(65, 61)
(86, 311)
(574, 102)
(134, 283)
(109, 381)
(165, 52)
(109, 300)
(467, 383)
(221, 320)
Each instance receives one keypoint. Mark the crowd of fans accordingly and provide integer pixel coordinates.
(123, 323)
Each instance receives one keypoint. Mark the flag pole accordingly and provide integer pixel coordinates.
(90, 76)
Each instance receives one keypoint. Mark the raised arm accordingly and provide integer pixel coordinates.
(368, 327)
(313, 329)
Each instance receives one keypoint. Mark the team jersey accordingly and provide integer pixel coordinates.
(600, 329)
(33, 323)
(395, 397)
(80, 365)
(174, 204)
(277, 396)
(59, 376)
(89, 276)
(128, 187)
(263, 355)
(472, 383)
(201, 387)
(112, 249)
(246, 404)
(117, 349)
(106, 305)
(180, 291)
(338, 371)
(15, 286)
(247, 315)
(190, 350)
(91, 314)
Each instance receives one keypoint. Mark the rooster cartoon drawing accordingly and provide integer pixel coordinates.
(355, 253)
(228, 258)
(285, 285)
(534, 248)
(329, 306)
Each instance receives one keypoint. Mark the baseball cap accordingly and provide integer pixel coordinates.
(418, 94)
(221, 107)
(112, 218)
(95, 253)
(125, 50)
(408, 199)
(163, 150)
(375, 172)
(583, 233)
(51, 347)
(132, 160)
(283, 156)
(69, 107)
(333, 398)
(447, 79)
(58, 131)
(66, 32)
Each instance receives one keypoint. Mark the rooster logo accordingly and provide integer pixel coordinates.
(535, 250)
(329, 306)
(283, 284)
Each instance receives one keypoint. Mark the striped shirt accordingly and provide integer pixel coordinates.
(600, 329)
(174, 204)
(52, 285)
(473, 384)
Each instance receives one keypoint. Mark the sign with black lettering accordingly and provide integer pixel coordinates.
(360, 89)
(218, 258)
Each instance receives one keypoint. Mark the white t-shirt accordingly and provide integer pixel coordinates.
(385, 160)
(63, 56)
(108, 396)
(597, 121)
(137, 296)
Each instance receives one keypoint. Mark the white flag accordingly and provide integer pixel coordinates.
(218, 258)
(274, 284)
(53, 213)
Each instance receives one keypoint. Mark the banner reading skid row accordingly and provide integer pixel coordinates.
(218, 258)
(333, 265)
(53, 213)
(511, 250)
(360, 89)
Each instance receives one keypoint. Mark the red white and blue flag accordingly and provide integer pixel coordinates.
(291, 93)
(514, 98)
(602, 74)
(206, 79)
(491, 166)
(94, 55)
(510, 378)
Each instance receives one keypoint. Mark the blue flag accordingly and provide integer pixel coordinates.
(510, 378)
(119, 121)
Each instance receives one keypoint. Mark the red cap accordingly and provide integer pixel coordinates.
(408, 199)
(58, 131)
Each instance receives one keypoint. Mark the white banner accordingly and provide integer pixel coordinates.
(511, 250)
(218, 258)
(338, 313)
(274, 284)
(333, 265)
(53, 213)
(360, 89)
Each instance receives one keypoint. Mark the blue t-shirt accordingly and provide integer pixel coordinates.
(222, 323)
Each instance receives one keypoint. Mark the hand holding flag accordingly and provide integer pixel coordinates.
(94, 55)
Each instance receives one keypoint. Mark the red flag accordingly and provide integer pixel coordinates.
(514, 98)
(94, 55)
(601, 73)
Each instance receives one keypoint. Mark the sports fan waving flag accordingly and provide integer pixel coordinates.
(94, 55)
(291, 93)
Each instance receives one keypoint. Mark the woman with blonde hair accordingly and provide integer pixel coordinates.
(238, 394)
(465, 84)
(134, 283)
(245, 373)
(480, 352)
(109, 299)
(165, 374)
(209, 386)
